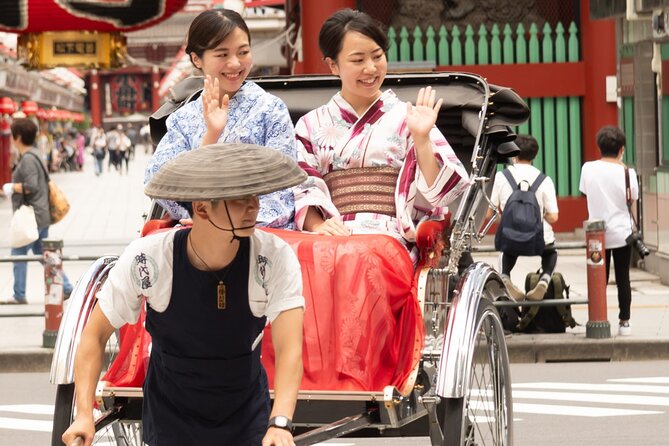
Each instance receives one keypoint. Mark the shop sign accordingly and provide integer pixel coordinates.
(71, 49)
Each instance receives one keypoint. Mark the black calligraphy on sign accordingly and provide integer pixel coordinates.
(13, 14)
(143, 270)
(123, 14)
(78, 48)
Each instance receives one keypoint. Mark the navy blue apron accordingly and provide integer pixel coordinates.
(204, 385)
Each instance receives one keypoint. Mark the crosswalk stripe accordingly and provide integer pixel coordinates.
(595, 387)
(25, 425)
(577, 411)
(637, 400)
(649, 380)
(35, 409)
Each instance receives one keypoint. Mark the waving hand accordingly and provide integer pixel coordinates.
(215, 109)
(423, 117)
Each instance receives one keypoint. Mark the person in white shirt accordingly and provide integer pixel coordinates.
(209, 291)
(525, 173)
(603, 184)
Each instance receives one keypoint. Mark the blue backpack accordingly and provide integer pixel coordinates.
(521, 228)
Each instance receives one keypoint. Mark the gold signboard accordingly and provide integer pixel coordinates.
(83, 49)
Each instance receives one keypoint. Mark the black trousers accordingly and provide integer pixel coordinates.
(548, 261)
(622, 258)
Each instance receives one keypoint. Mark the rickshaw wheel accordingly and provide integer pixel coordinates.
(484, 416)
(117, 432)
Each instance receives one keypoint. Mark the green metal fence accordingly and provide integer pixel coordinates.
(554, 121)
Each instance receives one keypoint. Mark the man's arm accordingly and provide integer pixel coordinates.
(287, 339)
(551, 217)
(87, 368)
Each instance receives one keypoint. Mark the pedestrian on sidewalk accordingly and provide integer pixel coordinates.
(29, 186)
(99, 142)
(524, 175)
(603, 182)
(209, 291)
(230, 108)
(123, 151)
(113, 142)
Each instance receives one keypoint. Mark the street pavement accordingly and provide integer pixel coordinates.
(106, 214)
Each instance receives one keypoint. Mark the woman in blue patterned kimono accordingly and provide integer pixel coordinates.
(230, 109)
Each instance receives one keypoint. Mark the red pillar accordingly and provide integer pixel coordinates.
(155, 84)
(598, 42)
(5, 147)
(53, 286)
(312, 15)
(598, 324)
(94, 96)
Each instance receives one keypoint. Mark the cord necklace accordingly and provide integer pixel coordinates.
(220, 289)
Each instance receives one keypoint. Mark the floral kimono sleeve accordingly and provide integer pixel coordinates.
(313, 192)
(452, 178)
(172, 144)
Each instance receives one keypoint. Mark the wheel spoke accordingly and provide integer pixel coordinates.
(485, 413)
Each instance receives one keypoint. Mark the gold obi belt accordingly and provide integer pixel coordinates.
(363, 189)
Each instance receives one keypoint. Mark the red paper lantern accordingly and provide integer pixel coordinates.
(29, 108)
(33, 16)
(7, 106)
(42, 114)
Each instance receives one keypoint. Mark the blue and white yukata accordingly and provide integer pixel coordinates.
(254, 117)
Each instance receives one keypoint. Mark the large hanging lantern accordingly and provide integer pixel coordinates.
(82, 33)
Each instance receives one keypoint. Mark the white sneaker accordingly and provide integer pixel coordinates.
(539, 291)
(514, 292)
(624, 328)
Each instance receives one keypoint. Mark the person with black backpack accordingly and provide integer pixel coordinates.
(528, 203)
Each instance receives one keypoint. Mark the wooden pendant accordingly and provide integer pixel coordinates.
(220, 292)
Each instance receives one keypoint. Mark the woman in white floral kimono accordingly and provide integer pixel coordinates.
(230, 109)
(375, 163)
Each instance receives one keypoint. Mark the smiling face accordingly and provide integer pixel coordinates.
(230, 61)
(362, 66)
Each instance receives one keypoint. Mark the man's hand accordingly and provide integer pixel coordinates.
(278, 437)
(80, 429)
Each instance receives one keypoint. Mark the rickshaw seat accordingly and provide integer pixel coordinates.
(363, 326)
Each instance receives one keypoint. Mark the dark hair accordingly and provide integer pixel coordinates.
(25, 129)
(528, 147)
(610, 140)
(212, 27)
(334, 30)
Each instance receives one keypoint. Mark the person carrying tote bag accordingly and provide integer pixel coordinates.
(29, 189)
(58, 204)
(23, 227)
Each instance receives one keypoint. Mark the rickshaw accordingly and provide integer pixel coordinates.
(450, 380)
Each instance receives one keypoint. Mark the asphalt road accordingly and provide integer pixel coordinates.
(594, 404)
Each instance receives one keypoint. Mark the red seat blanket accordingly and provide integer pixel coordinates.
(363, 327)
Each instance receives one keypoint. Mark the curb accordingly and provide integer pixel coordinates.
(576, 348)
(26, 361)
(522, 349)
